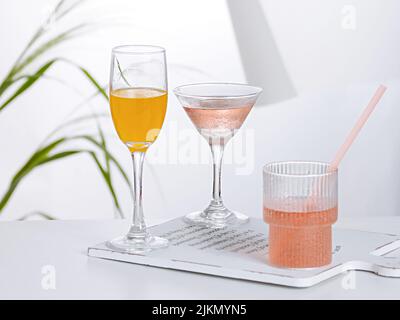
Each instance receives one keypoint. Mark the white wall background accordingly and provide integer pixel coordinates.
(303, 50)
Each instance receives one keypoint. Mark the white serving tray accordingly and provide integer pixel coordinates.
(241, 253)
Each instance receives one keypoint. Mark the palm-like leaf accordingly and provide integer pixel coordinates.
(28, 56)
(50, 153)
(37, 214)
(30, 80)
(56, 149)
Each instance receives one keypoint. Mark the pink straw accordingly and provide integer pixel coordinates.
(310, 203)
(357, 127)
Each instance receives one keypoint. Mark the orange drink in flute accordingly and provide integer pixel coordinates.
(138, 115)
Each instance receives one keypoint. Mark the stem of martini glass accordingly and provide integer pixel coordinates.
(138, 226)
(216, 209)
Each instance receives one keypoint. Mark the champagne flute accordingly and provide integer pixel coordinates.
(138, 101)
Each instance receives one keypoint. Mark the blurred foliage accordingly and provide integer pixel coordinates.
(18, 80)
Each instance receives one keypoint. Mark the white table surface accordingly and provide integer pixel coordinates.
(25, 247)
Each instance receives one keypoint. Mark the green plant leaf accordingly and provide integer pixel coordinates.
(90, 78)
(60, 155)
(37, 213)
(23, 61)
(36, 36)
(63, 13)
(56, 40)
(107, 179)
(28, 83)
(44, 155)
(112, 159)
(77, 120)
(36, 158)
(31, 79)
(107, 160)
(39, 158)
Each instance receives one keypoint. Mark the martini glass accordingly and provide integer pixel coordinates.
(217, 110)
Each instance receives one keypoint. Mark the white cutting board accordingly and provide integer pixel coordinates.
(241, 253)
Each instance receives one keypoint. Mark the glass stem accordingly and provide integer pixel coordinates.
(138, 227)
(217, 151)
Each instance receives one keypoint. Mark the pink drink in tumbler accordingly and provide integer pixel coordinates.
(300, 206)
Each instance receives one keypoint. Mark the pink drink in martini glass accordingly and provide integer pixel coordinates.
(216, 124)
(217, 110)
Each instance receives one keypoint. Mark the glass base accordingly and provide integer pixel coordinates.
(137, 245)
(215, 220)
